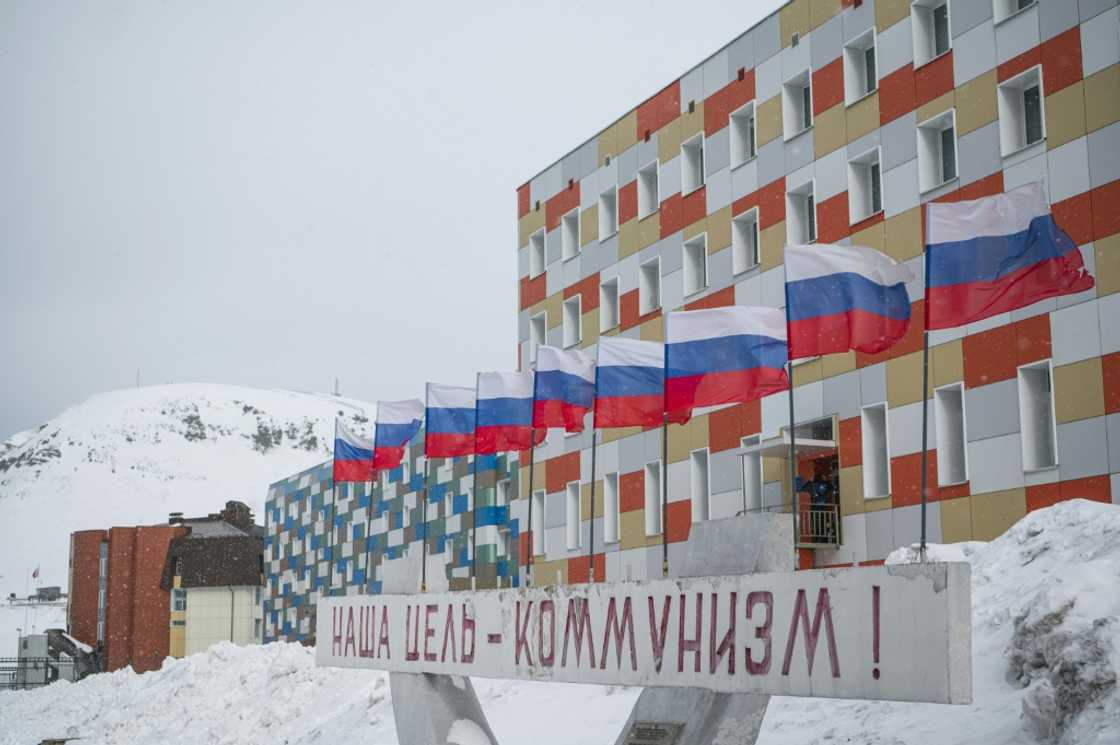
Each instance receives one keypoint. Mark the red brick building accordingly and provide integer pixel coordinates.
(115, 595)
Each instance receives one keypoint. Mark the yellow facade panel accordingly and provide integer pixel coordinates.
(829, 131)
(862, 117)
(1102, 98)
(1065, 115)
(1078, 391)
(976, 103)
(1107, 266)
(994, 512)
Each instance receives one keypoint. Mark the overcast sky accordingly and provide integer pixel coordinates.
(274, 194)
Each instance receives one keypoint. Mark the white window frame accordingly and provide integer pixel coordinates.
(612, 508)
(799, 230)
(572, 330)
(537, 528)
(927, 161)
(924, 32)
(501, 492)
(1012, 111)
(538, 254)
(692, 164)
(572, 518)
(569, 235)
(608, 304)
(649, 203)
(793, 104)
(855, 67)
(608, 213)
(756, 457)
(1030, 464)
(861, 188)
(695, 246)
(701, 503)
(646, 304)
(652, 498)
(866, 448)
(743, 257)
(743, 129)
(941, 429)
(534, 344)
(1004, 10)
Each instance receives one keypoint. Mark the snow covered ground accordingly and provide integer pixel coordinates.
(1046, 640)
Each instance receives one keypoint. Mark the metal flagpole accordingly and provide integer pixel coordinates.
(529, 527)
(474, 501)
(792, 442)
(330, 524)
(369, 528)
(664, 495)
(591, 517)
(424, 523)
(925, 434)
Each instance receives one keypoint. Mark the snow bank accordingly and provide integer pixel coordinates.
(1046, 650)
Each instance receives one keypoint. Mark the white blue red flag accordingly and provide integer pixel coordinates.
(993, 255)
(722, 356)
(505, 413)
(629, 383)
(397, 423)
(449, 421)
(353, 455)
(564, 388)
(844, 297)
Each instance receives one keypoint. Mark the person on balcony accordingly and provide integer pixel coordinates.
(822, 495)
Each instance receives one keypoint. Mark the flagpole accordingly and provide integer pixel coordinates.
(424, 524)
(591, 517)
(330, 525)
(474, 498)
(664, 495)
(792, 441)
(529, 543)
(369, 529)
(925, 434)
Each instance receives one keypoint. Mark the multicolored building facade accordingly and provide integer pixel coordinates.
(830, 121)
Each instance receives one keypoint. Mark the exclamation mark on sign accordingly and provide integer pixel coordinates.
(875, 630)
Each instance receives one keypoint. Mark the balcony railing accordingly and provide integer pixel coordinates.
(819, 526)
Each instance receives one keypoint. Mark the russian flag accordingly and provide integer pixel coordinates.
(993, 255)
(844, 297)
(629, 383)
(505, 412)
(353, 455)
(397, 423)
(449, 420)
(563, 389)
(723, 356)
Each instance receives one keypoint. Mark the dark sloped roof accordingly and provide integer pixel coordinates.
(214, 561)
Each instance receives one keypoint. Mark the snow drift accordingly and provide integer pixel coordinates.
(1046, 651)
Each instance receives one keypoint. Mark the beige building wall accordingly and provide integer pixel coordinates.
(208, 617)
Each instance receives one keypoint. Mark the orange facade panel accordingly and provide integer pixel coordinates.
(659, 110)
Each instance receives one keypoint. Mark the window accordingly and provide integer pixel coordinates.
(865, 186)
(876, 457)
(744, 137)
(571, 321)
(178, 599)
(653, 498)
(569, 235)
(608, 213)
(1020, 112)
(692, 164)
(610, 508)
(648, 195)
(608, 305)
(501, 494)
(537, 530)
(1004, 9)
(536, 253)
(649, 286)
(801, 226)
(797, 105)
(744, 241)
(929, 22)
(537, 327)
(695, 270)
(860, 73)
(937, 151)
(572, 515)
(952, 460)
(752, 476)
(701, 493)
(1036, 415)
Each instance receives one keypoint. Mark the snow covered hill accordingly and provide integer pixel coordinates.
(1045, 634)
(132, 456)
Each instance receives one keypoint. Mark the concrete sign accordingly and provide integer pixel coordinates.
(889, 633)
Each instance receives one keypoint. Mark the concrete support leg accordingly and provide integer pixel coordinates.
(744, 544)
(431, 709)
